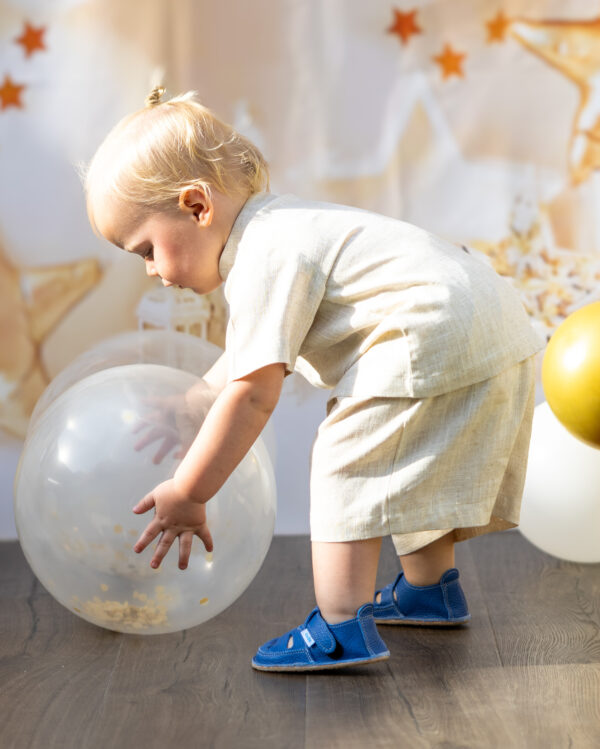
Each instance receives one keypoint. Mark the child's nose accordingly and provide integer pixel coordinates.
(150, 268)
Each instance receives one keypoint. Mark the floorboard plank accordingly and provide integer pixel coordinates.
(557, 706)
(545, 611)
(440, 687)
(525, 674)
(364, 700)
(200, 683)
(54, 667)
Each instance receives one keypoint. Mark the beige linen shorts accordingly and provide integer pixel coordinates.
(417, 469)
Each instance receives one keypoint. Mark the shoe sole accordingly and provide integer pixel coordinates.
(424, 623)
(323, 666)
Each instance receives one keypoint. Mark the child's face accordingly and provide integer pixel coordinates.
(182, 247)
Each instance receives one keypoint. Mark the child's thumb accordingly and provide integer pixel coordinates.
(206, 538)
(145, 504)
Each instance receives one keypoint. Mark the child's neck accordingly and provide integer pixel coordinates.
(226, 211)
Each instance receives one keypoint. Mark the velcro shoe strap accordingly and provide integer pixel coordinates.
(319, 632)
(387, 594)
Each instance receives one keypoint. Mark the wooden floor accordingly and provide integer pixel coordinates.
(525, 673)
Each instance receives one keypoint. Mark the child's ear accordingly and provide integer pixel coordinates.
(197, 202)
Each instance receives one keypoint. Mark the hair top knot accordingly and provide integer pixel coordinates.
(148, 158)
(155, 96)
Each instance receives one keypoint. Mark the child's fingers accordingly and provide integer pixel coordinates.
(182, 452)
(141, 424)
(145, 504)
(166, 540)
(204, 535)
(150, 533)
(168, 444)
(169, 439)
(185, 548)
(156, 433)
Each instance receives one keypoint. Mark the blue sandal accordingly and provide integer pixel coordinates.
(441, 605)
(316, 645)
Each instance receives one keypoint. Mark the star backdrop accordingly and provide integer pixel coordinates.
(477, 119)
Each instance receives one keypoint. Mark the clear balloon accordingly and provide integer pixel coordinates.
(86, 464)
(561, 501)
(167, 347)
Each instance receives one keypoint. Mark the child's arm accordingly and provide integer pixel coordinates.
(232, 425)
(176, 419)
(229, 431)
(216, 377)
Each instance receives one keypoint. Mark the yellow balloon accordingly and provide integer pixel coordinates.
(571, 374)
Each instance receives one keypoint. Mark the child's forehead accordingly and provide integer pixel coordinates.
(114, 218)
(115, 154)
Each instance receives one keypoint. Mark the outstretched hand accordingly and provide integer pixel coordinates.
(230, 429)
(174, 421)
(168, 423)
(176, 516)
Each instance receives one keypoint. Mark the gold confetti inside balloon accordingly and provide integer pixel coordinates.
(571, 374)
(81, 472)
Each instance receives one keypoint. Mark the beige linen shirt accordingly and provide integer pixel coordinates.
(363, 304)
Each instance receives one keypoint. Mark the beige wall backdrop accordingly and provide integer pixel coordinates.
(478, 119)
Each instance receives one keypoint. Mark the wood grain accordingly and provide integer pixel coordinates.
(439, 687)
(524, 674)
(544, 611)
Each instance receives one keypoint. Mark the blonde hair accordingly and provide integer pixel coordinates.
(150, 156)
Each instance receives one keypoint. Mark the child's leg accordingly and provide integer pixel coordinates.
(344, 576)
(427, 591)
(426, 565)
(342, 630)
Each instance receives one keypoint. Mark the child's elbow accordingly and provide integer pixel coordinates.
(264, 387)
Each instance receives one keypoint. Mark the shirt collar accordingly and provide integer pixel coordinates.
(250, 209)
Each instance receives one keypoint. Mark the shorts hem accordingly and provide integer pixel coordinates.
(407, 541)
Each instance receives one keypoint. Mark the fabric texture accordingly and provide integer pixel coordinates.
(364, 304)
(420, 342)
(420, 468)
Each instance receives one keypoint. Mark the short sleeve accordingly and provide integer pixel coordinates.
(273, 298)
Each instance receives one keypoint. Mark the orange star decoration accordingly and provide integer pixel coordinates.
(10, 94)
(404, 25)
(450, 62)
(497, 28)
(572, 48)
(32, 39)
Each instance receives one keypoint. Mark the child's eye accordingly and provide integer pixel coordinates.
(149, 254)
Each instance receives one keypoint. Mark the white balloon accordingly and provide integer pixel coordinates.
(561, 501)
(82, 471)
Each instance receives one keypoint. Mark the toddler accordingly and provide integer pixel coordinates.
(427, 353)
